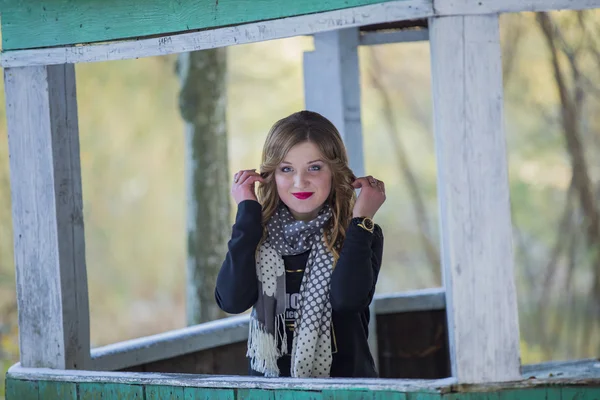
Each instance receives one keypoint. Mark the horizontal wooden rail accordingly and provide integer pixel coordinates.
(231, 330)
(257, 31)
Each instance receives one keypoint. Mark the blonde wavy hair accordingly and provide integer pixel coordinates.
(309, 126)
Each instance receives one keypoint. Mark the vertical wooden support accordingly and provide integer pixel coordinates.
(332, 88)
(476, 230)
(41, 109)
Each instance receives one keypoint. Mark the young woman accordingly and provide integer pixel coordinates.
(305, 254)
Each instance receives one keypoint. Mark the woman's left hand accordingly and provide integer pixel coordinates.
(371, 197)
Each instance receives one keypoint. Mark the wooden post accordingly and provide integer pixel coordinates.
(476, 230)
(332, 88)
(52, 298)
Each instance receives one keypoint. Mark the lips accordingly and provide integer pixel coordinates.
(302, 195)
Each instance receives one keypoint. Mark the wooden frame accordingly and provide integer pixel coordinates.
(231, 330)
(280, 28)
(220, 37)
(473, 193)
(47, 204)
(477, 254)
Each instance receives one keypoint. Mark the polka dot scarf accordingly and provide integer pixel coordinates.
(311, 349)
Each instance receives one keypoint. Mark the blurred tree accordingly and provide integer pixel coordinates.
(574, 88)
(202, 103)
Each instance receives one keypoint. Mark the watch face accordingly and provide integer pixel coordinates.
(368, 223)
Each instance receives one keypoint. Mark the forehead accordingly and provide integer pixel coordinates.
(303, 152)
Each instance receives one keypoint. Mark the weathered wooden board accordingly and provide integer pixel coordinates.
(57, 390)
(157, 392)
(47, 209)
(478, 7)
(390, 11)
(18, 389)
(46, 23)
(475, 220)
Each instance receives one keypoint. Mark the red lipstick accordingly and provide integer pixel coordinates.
(302, 195)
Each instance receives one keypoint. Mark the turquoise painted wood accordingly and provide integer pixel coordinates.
(44, 23)
(32, 390)
(21, 390)
(90, 391)
(164, 393)
(208, 394)
(123, 392)
(57, 390)
(389, 396)
(255, 394)
(297, 395)
(348, 395)
(423, 396)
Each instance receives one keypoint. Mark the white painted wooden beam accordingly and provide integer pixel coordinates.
(479, 7)
(332, 88)
(171, 344)
(208, 39)
(423, 386)
(376, 38)
(47, 210)
(230, 330)
(418, 300)
(393, 11)
(476, 235)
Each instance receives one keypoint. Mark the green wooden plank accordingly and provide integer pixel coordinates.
(208, 394)
(17, 389)
(123, 392)
(347, 394)
(580, 393)
(592, 393)
(385, 395)
(43, 23)
(254, 394)
(90, 391)
(297, 395)
(525, 394)
(163, 393)
(57, 390)
(424, 396)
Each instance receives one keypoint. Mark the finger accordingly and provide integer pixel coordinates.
(251, 179)
(241, 176)
(382, 186)
(372, 181)
(238, 176)
(360, 182)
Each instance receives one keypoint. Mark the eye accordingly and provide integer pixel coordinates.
(286, 169)
(314, 168)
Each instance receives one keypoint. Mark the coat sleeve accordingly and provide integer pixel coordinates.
(356, 272)
(237, 284)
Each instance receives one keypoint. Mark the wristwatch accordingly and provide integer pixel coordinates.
(364, 222)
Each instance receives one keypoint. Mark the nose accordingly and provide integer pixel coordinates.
(300, 180)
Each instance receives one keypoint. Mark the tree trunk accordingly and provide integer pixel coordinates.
(202, 103)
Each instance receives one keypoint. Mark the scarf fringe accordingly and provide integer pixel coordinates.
(262, 346)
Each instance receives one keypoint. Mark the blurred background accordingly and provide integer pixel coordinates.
(133, 152)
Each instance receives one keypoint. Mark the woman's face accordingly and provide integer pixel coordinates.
(303, 181)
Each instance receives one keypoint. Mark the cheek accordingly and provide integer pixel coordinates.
(282, 183)
(325, 183)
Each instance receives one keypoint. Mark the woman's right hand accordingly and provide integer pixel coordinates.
(243, 185)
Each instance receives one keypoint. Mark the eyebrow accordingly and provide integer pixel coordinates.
(310, 162)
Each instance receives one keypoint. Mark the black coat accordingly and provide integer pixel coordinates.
(352, 288)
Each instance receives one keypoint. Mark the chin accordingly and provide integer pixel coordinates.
(304, 206)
